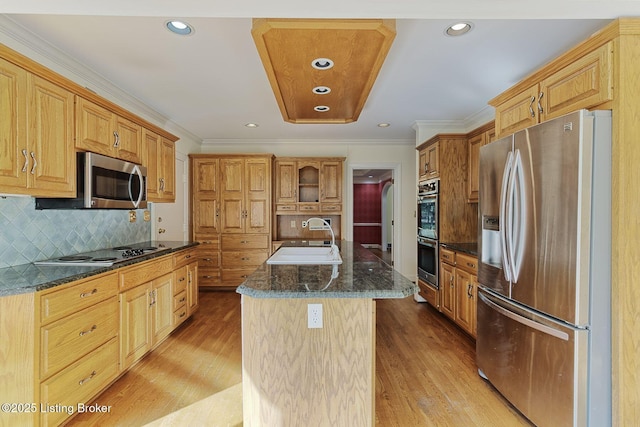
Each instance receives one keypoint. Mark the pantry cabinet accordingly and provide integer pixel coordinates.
(231, 216)
(102, 131)
(586, 82)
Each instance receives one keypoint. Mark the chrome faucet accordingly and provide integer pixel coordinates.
(334, 248)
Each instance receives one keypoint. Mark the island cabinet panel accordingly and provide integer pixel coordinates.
(294, 376)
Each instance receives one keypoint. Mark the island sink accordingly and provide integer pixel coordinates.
(306, 256)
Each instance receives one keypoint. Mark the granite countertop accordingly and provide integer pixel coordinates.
(361, 275)
(21, 279)
(470, 248)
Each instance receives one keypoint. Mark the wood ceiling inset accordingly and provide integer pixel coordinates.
(287, 48)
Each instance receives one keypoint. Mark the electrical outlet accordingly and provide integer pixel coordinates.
(132, 216)
(293, 223)
(314, 312)
(147, 216)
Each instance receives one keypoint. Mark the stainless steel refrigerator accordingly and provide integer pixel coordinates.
(544, 299)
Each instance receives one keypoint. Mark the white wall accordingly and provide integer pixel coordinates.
(356, 153)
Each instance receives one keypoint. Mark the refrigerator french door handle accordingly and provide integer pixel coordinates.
(504, 227)
(517, 217)
(523, 320)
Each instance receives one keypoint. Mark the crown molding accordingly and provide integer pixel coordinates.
(209, 142)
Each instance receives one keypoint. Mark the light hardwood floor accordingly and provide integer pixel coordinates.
(425, 374)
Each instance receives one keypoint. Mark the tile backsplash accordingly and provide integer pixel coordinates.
(28, 235)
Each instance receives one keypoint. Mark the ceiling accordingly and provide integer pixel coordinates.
(211, 83)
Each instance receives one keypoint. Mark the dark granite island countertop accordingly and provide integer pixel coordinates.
(361, 275)
(28, 278)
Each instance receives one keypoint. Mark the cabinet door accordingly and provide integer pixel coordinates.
(128, 140)
(286, 182)
(474, 145)
(585, 83)
(51, 147)
(14, 158)
(422, 164)
(192, 288)
(162, 307)
(150, 154)
(331, 182)
(258, 196)
(135, 324)
(465, 300)
(167, 165)
(232, 195)
(205, 195)
(95, 128)
(433, 161)
(517, 113)
(447, 290)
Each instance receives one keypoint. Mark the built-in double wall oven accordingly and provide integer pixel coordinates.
(427, 214)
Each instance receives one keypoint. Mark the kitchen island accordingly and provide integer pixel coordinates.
(297, 375)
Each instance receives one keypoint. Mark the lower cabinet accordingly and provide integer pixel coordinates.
(458, 288)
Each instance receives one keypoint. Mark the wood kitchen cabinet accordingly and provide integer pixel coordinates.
(102, 131)
(586, 82)
(429, 162)
(37, 126)
(458, 288)
(477, 139)
(158, 155)
(231, 216)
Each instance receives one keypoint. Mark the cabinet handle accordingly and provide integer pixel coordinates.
(181, 279)
(161, 184)
(89, 378)
(540, 109)
(451, 281)
(88, 331)
(531, 111)
(184, 313)
(208, 259)
(187, 256)
(426, 167)
(182, 299)
(244, 241)
(35, 163)
(208, 277)
(469, 290)
(471, 265)
(217, 215)
(244, 258)
(116, 139)
(26, 161)
(88, 294)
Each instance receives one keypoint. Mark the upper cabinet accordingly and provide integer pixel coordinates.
(585, 82)
(36, 119)
(99, 130)
(476, 139)
(429, 166)
(308, 185)
(158, 155)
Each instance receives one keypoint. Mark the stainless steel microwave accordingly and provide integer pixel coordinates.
(103, 183)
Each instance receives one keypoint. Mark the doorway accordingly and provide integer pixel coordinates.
(373, 210)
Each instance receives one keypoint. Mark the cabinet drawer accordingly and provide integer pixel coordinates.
(288, 207)
(207, 243)
(331, 207)
(467, 263)
(130, 277)
(309, 207)
(244, 259)
(58, 304)
(208, 259)
(79, 382)
(235, 277)
(179, 300)
(180, 280)
(429, 293)
(183, 258)
(69, 338)
(180, 315)
(245, 241)
(448, 256)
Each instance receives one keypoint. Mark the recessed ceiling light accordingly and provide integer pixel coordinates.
(322, 63)
(321, 108)
(458, 29)
(179, 27)
(321, 90)
(252, 125)
(383, 125)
